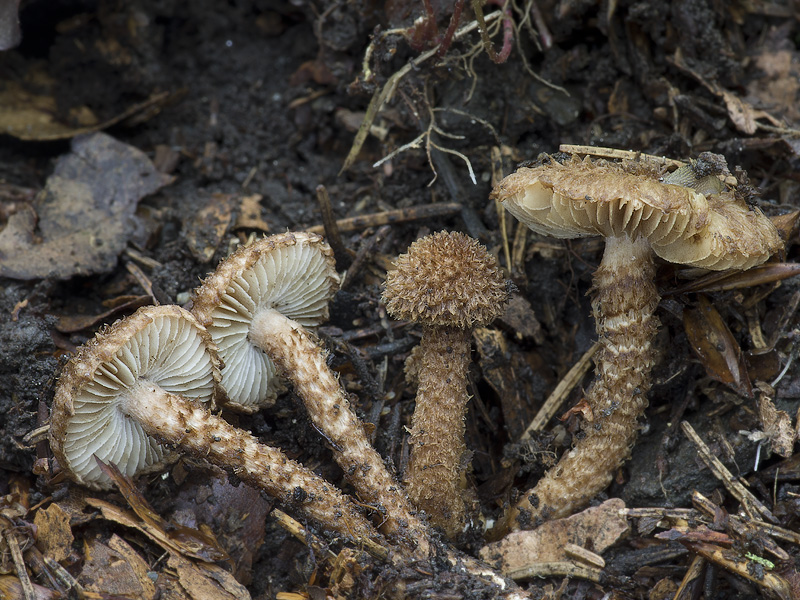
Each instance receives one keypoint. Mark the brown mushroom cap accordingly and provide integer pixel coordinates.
(446, 279)
(292, 273)
(583, 198)
(162, 345)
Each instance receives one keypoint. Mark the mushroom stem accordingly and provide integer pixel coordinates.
(435, 477)
(297, 355)
(624, 300)
(173, 420)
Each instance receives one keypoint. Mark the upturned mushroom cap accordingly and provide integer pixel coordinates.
(683, 225)
(163, 345)
(446, 279)
(292, 273)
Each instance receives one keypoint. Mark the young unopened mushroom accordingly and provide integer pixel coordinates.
(144, 382)
(449, 283)
(694, 221)
(260, 298)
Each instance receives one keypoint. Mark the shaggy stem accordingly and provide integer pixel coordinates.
(624, 300)
(174, 420)
(435, 474)
(301, 360)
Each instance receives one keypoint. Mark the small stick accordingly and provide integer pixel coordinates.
(564, 387)
(393, 217)
(659, 513)
(342, 254)
(19, 565)
(751, 504)
(364, 252)
(143, 280)
(742, 566)
(586, 556)
(555, 569)
(616, 154)
(693, 573)
(301, 533)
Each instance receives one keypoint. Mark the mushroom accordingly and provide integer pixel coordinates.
(145, 381)
(259, 299)
(449, 283)
(689, 217)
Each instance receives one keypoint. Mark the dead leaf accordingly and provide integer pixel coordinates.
(741, 113)
(54, 535)
(520, 318)
(85, 212)
(776, 425)
(207, 582)
(235, 513)
(11, 589)
(716, 347)
(250, 214)
(723, 280)
(108, 571)
(582, 409)
(205, 231)
(33, 116)
(594, 529)
(188, 541)
(779, 83)
(70, 324)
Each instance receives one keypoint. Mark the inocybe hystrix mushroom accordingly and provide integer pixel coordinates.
(449, 283)
(257, 301)
(698, 222)
(143, 382)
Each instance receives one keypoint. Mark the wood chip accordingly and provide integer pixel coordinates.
(750, 503)
(54, 537)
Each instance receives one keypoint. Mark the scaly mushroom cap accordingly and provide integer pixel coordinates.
(446, 279)
(163, 345)
(292, 273)
(582, 198)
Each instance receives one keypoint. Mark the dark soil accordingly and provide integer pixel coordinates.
(266, 96)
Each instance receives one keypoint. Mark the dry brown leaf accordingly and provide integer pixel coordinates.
(188, 541)
(108, 571)
(594, 529)
(777, 426)
(206, 582)
(11, 589)
(33, 115)
(54, 537)
(250, 214)
(779, 83)
(84, 217)
(205, 231)
(716, 347)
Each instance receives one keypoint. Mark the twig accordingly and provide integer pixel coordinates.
(341, 253)
(749, 502)
(393, 217)
(693, 573)
(364, 252)
(564, 387)
(555, 569)
(19, 565)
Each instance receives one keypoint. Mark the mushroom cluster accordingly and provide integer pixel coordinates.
(151, 381)
(687, 217)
